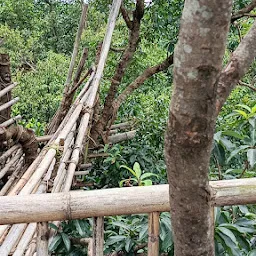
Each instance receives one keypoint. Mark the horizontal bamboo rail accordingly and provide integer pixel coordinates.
(7, 89)
(107, 202)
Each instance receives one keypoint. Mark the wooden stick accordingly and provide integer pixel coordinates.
(44, 138)
(7, 89)
(153, 234)
(9, 104)
(98, 236)
(107, 202)
(85, 166)
(9, 152)
(11, 121)
(11, 163)
(32, 247)
(122, 136)
(25, 240)
(42, 239)
(77, 173)
(121, 126)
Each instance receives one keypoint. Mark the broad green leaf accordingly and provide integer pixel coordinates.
(128, 244)
(56, 241)
(233, 134)
(242, 113)
(245, 107)
(115, 239)
(251, 157)
(129, 169)
(252, 253)
(147, 175)
(147, 182)
(237, 151)
(143, 232)
(120, 224)
(66, 241)
(53, 226)
(240, 229)
(254, 109)
(228, 233)
(228, 244)
(136, 168)
(79, 228)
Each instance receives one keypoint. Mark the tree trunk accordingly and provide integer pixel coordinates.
(197, 66)
(5, 80)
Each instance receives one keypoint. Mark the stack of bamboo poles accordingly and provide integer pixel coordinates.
(57, 162)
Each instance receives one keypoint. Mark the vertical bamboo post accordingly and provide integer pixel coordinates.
(153, 234)
(98, 236)
(42, 239)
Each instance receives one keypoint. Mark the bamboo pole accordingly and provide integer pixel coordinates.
(42, 239)
(107, 202)
(10, 121)
(122, 136)
(153, 234)
(121, 126)
(11, 163)
(98, 236)
(7, 89)
(8, 153)
(15, 175)
(32, 248)
(25, 240)
(9, 104)
(85, 166)
(77, 173)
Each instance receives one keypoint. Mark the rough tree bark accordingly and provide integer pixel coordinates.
(197, 66)
(5, 80)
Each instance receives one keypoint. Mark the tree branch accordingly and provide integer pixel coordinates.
(126, 16)
(244, 12)
(238, 65)
(247, 85)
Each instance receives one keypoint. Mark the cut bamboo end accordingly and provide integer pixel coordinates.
(11, 121)
(7, 89)
(9, 104)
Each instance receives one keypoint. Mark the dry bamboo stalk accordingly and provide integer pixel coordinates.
(44, 138)
(98, 155)
(11, 163)
(58, 181)
(7, 89)
(121, 126)
(40, 171)
(16, 231)
(83, 127)
(153, 234)
(105, 48)
(9, 152)
(122, 136)
(77, 173)
(9, 104)
(85, 166)
(98, 236)
(32, 247)
(4, 234)
(25, 240)
(16, 174)
(10, 121)
(42, 239)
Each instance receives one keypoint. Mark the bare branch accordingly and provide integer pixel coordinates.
(247, 85)
(126, 16)
(117, 49)
(244, 12)
(238, 65)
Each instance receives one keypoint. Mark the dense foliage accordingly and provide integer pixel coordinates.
(39, 36)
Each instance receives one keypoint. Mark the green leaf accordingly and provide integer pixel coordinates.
(236, 151)
(147, 182)
(245, 107)
(233, 134)
(66, 241)
(252, 253)
(242, 113)
(56, 241)
(79, 228)
(129, 169)
(228, 233)
(147, 175)
(53, 226)
(121, 224)
(136, 168)
(115, 239)
(251, 157)
(128, 244)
